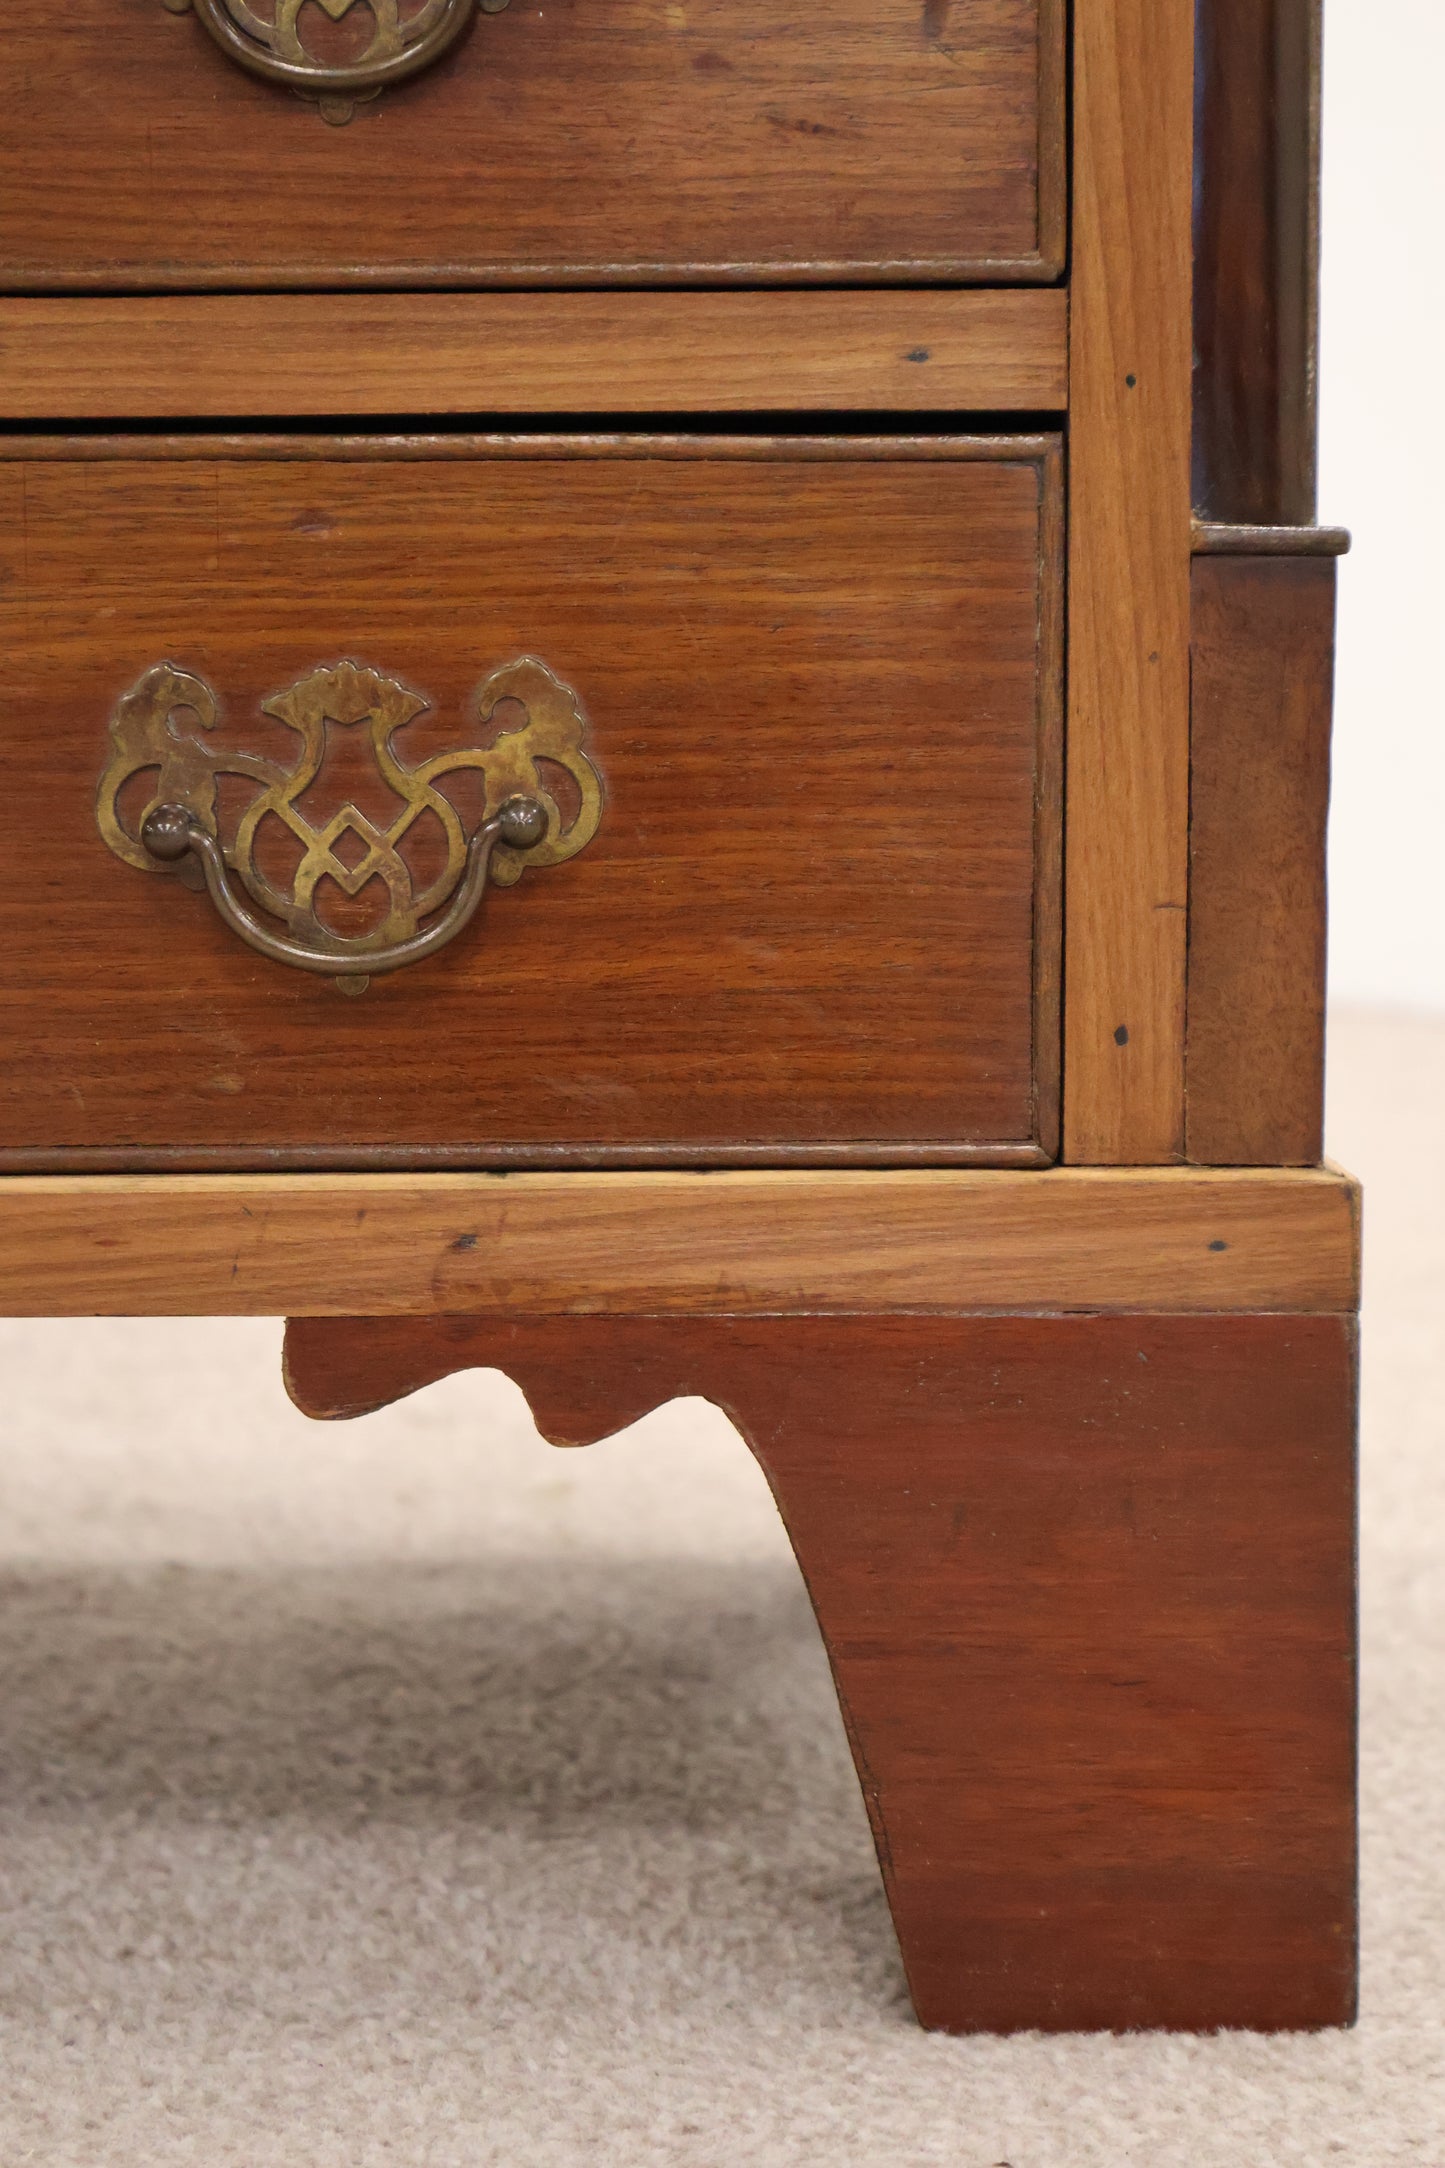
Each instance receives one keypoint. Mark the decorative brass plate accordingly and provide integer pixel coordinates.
(267, 41)
(161, 725)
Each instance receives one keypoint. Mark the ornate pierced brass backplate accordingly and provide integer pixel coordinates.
(267, 40)
(160, 728)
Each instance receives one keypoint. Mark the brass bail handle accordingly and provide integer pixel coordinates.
(270, 45)
(525, 744)
(170, 831)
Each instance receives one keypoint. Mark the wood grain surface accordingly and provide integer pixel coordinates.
(1256, 259)
(1129, 525)
(1076, 1238)
(1087, 1589)
(723, 141)
(820, 913)
(277, 354)
(409, 445)
(1264, 636)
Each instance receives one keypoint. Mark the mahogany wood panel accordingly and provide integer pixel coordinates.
(820, 916)
(229, 354)
(1087, 1588)
(1128, 760)
(584, 142)
(1264, 631)
(1256, 251)
(1073, 1239)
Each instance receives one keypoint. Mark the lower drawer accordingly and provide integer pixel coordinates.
(755, 744)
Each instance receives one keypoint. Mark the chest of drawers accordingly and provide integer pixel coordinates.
(667, 723)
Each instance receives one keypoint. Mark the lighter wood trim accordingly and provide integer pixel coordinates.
(1128, 757)
(353, 354)
(342, 1245)
(431, 276)
(467, 1157)
(304, 445)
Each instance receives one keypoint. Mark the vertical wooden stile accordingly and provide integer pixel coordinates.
(1256, 259)
(1264, 635)
(1128, 753)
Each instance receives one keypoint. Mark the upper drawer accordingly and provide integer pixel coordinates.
(584, 141)
(790, 711)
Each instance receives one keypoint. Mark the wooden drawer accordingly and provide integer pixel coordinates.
(818, 919)
(589, 141)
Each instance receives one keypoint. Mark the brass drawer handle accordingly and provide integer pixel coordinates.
(171, 830)
(272, 47)
(160, 728)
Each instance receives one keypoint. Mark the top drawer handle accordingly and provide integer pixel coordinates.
(400, 46)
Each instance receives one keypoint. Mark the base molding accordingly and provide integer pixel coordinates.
(743, 1243)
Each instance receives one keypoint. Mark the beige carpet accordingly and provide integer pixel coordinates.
(404, 1792)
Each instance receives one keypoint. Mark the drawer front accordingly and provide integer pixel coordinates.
(590, 141)
(812, 698)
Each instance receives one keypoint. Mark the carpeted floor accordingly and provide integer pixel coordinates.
(406, 1793)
